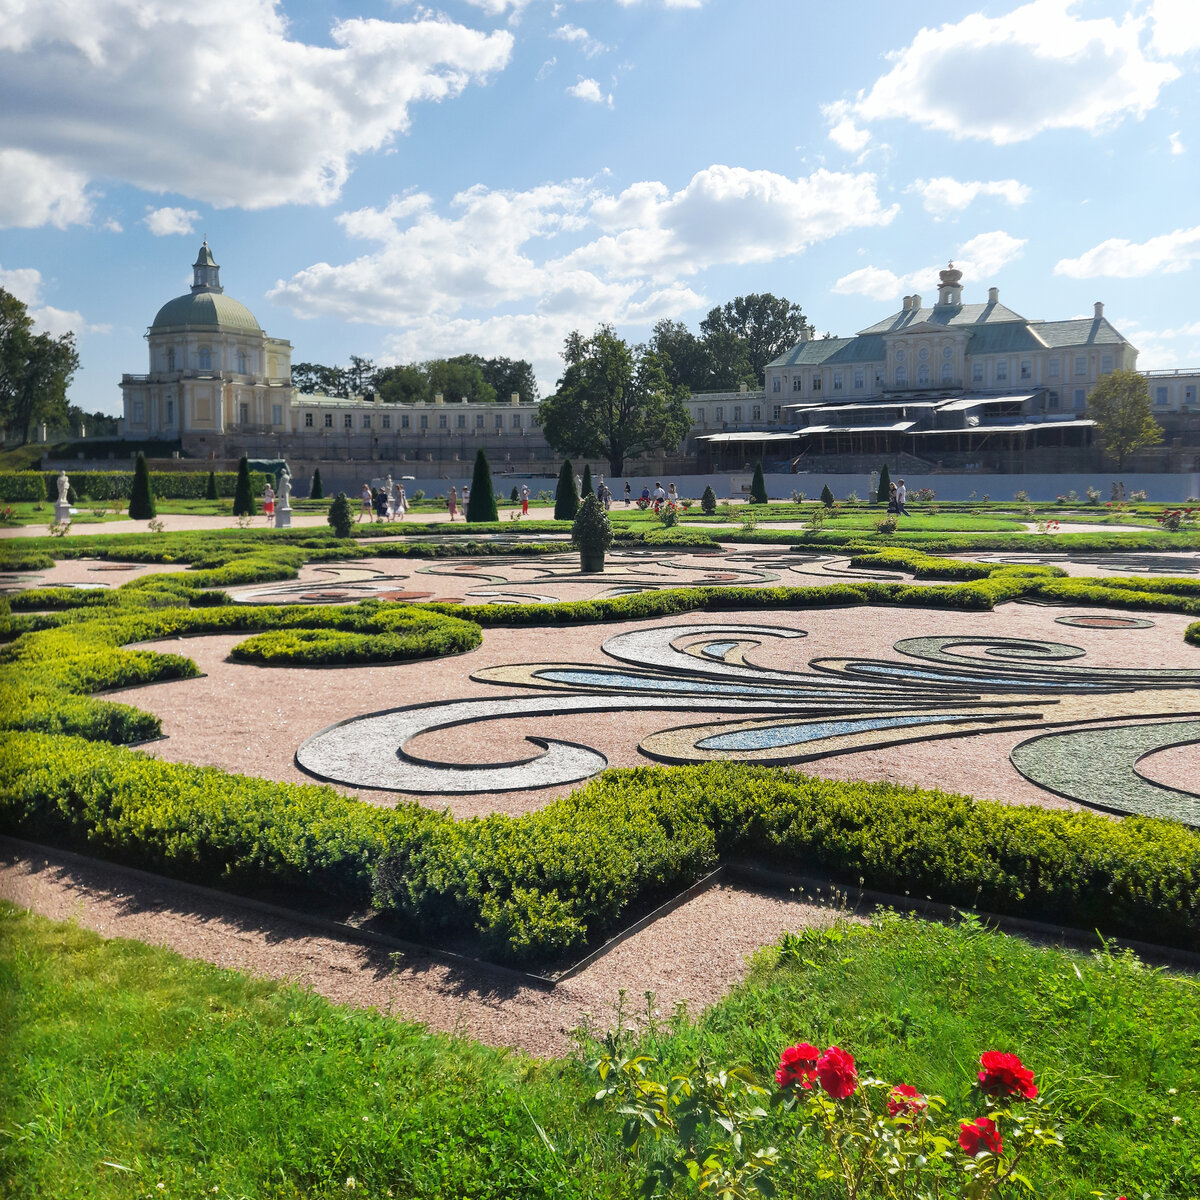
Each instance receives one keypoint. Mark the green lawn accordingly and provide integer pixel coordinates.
(123, 1067)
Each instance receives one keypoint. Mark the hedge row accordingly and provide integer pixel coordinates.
(536, 887)
(117, 485)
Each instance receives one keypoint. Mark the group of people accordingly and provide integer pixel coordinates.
(897, 495)
(387, 503)
(657, 498)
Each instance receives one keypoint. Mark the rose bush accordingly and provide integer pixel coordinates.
(711, 1129)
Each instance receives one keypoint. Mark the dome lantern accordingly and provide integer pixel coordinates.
(950, 285)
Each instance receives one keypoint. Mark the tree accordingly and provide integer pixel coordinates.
(585, 487)
(885, 483)
(1120, 406)
(685, 358)
(243, 497)
(210, 488)
(359, 376)
(708, 501)
(35, 370)
(316, 491)
(613, 402)
(766, 325)
(758, 485)
(826, 496)
(340, 519)
(401, 384)
(459, 377)
(566, 498)
(482, 504)
(514, 495)
(508, 375)
(141, 498)
(311, 378)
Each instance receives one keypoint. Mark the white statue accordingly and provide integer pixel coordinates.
(283, 495)
(64, 485)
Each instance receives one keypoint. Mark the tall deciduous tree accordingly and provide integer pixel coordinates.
(1120, 406)
(613, 402)
(766, 325)
(35, 370)
(401, 384)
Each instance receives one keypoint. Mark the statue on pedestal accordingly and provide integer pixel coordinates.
(283, 509)
(64, 486)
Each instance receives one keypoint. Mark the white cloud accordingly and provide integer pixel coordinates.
(842, 130)
(26, 284)
(515, 272)
(498, 8)
(945, 194)
(979, 259)
(165, 221)
(1123, 259)
(581, 38)
(1160, 349)
(1176, 25)
(1177, 146)
(217, 102)
(38, 191)
(590, 90)
(1006, 79)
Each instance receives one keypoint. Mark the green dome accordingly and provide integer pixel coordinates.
(213, 310)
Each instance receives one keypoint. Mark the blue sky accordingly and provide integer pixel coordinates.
(404, 182)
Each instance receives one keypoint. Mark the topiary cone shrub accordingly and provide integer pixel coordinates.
(243, 498)
(885, 482)
(210, 488)
(482, 504)
(316, 491)
(708, 501)
(591, 533)
(566, 498)
(585, 486)
(514, 495)
(340, 519)
(758, 486)
(826, 496)
(141, 498)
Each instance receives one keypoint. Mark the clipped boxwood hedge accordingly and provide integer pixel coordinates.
(535, 887)
(117, 485)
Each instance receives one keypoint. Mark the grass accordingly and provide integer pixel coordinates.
(123, 1067)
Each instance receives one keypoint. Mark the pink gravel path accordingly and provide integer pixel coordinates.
(693, 955)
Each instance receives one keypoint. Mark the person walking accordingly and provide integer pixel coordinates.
(672, 495)
(524, 499)
(269, 502)
(901, 496)
(452, 502)
(627, 494)
(364, 508)
(401, 501)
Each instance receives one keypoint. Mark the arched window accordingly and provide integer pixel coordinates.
(901, 376)
(923, 375)
(205, 356)
(947, 373)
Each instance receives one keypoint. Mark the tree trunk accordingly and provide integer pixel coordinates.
(616, 465)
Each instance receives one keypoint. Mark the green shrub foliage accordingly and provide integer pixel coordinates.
(482, 504)
(758, 485)
(885, 483)
(708, 501)
(141, 499)
(585, 486)
(340, 518)
(315, 490)
(210, 488)
(515, 495)
(243, 497)
(566, 498)
(826, 496)
(591, 532)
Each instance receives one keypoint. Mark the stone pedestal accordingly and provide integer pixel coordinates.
(283, 516)
(62, 511)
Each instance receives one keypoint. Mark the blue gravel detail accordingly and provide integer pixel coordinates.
(644, 683)
(794, 735)
(1065, 684)
(718, 650)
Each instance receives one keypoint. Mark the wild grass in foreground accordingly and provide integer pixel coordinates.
(124, 1067)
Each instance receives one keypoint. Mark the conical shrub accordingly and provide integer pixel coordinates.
(482, 504)
(826, 496)
(885, 482)
(758, 485)
(708, 501)
(316, 491)
(141, 499)
(585, 488)
(566, 498)
(340, 519)
(243, 498)
(210, 488)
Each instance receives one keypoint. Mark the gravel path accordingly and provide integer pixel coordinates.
(694, 954)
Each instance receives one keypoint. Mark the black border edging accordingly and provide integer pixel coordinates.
(747, 872)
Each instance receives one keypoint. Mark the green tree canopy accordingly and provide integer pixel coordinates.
(35, 371)
(401, 384)
(766, 326)
(613, 402)
(1120, 406)
(459, 378)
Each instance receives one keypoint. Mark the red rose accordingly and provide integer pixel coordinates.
(1005, 1075)
(835, 1070)
(798, 1064)
(980, 1135)
(905, 1101)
